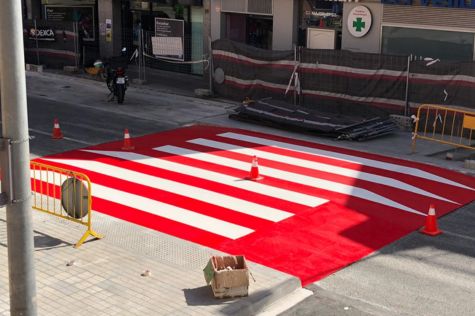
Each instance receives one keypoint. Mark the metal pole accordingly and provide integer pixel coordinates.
(142, 55)
(210, 66)
(15, 128)
(295, 83)
(36, 43)
(76, 44)
(406, 106)
(300, 78)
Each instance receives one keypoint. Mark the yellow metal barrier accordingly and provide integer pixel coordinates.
(63, 193)
(444, 125)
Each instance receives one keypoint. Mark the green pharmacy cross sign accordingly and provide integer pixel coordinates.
(359, 24)
(359, 21)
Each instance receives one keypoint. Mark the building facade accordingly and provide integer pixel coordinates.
(427, 28)
(443, 29)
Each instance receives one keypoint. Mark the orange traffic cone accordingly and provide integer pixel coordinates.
(254, 174)
(431, 223)
(57, 134)
(127, 142)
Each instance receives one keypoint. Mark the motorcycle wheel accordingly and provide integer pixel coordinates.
(120, 93)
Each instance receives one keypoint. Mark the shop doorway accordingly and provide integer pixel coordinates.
(141, 15)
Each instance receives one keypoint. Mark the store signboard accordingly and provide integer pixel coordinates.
(168, 40)
(359, 21)
(41, 34)
(83, 15)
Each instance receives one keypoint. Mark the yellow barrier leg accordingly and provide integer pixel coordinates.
(88, 233)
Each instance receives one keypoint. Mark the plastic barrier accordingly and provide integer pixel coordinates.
(444, 125)
(63, 193)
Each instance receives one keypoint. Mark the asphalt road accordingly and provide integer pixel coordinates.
(417, 275)
(87, 117)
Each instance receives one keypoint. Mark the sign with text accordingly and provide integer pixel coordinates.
(83, 15)
(168, 39)
(41, 34)
(359, 21)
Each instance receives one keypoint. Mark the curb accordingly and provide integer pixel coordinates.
(258, 302)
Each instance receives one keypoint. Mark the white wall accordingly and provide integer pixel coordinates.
(215, 12)
(371, 42)
(284, 25)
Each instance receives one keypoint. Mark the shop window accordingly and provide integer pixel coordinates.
(445, 45)
(250, 29)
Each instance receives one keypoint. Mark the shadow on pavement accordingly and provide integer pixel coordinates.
(203, 296)
(44, 242)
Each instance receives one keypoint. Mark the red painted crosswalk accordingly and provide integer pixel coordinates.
(317, 208)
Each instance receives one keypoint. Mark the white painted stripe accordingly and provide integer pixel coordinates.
(222, 200)
(317, 166)
(251, 186)
(290, 176)
(164, 210)
(65, 138)
(173, 213)
(344, 157)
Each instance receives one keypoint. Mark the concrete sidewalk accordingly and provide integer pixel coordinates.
(104, 277)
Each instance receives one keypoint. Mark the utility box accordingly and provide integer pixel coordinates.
(319, 38)
(228, 276)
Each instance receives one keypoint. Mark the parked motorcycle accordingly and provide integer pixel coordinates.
(116, 79)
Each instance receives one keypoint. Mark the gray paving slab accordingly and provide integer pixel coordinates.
(105, 276)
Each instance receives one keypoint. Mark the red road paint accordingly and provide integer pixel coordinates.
(311, 244)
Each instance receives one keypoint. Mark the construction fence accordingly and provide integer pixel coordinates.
(63, 193)
(341, 81)
(444, 125)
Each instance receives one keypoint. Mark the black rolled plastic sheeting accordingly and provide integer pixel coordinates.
(283, 115)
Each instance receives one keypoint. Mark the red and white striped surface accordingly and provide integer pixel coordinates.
(317, 209)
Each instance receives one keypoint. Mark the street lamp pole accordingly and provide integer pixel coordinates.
(406, 105)
(16, 169)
